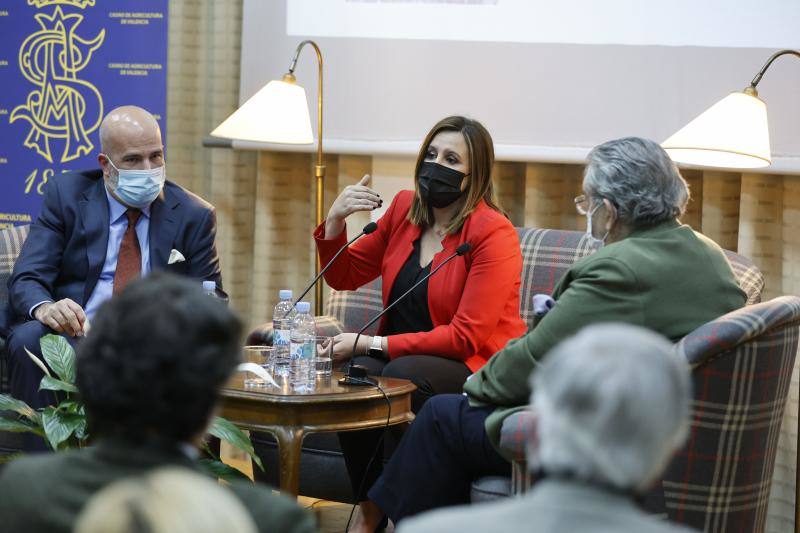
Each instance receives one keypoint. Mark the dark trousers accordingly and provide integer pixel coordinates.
(443, 451)
(25, 375)
(432, 375)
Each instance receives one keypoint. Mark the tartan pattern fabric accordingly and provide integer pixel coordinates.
(11, 240)
(516, 432)
(546, 255)
(750, 278)
(353, 309)
(742, 366)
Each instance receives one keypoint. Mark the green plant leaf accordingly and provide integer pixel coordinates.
(59, 354)
(80, 432)
(38, 362)
(225, 430)
(7, 403)
(220, 470)
(20, 426)
(49, 383)
(59, 426)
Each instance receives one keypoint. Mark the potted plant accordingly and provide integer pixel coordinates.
(63, 426)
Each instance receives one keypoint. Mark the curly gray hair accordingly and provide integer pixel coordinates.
(639, 178)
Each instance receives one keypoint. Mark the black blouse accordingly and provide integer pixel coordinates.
(411, 315)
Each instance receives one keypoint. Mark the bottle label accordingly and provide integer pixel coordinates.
(280, 337)
(301, 350)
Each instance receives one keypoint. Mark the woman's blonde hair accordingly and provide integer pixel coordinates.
(169, 500)
(479, 183)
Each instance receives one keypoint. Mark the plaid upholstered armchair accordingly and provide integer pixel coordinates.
(547, 254)
(11, 240)
(741, 368)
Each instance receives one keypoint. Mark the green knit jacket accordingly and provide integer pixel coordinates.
(667, 278)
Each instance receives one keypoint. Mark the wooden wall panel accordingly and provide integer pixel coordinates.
(545, 190)
(760, 227)
(283, 224)
(781, 503)
(389, 176)
(694, 209)
(351, 169)
(720, 210)
(201, 94)
(509, 184)
(573, 186)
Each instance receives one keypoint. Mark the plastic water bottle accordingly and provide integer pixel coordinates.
(210, 288)
(301, 348)
(281, 330)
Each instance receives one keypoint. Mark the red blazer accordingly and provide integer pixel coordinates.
(473, 300)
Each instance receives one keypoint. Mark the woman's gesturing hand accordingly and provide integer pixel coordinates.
(358, 197)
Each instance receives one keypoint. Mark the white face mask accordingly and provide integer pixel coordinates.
(599, 242)
(137, 188)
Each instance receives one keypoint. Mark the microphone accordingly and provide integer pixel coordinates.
(356, 374)
(369, 228)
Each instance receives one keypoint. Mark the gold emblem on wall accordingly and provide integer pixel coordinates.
(80, 4)
(51, 59)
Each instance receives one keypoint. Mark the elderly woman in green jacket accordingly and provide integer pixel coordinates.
(650, 271)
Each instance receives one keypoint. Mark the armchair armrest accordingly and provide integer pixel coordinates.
(517, 430)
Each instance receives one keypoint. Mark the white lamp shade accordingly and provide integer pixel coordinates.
(733, 133)
(277, 113)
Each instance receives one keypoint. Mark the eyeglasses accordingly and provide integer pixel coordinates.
(582, 204)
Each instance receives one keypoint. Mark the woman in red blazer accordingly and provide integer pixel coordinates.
(450, 325)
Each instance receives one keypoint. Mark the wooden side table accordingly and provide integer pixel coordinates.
(289, 416)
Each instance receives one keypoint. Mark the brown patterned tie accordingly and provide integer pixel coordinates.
(129, 259)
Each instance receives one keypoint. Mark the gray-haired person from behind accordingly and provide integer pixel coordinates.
(612, 406)
(631, 181)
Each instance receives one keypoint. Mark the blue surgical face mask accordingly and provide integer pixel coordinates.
(137, 188)
(599, 242)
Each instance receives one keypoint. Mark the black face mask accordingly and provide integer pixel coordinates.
(439, 186)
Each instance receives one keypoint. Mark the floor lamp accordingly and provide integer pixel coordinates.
(278, 113)
(733, 133)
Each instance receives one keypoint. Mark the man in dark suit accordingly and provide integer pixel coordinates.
(149, 374)
(98, 230)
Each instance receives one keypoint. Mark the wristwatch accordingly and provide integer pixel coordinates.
(376, 348)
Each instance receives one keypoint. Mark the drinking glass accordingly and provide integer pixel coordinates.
(323, 360)
(260, 355)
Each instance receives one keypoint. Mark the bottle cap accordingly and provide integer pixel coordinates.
(209, 286)
(303, 307)
(285, 294)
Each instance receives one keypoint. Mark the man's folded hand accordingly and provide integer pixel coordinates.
(63, 316)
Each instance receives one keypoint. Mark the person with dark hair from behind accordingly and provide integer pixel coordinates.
(611, 406)
(149, 373)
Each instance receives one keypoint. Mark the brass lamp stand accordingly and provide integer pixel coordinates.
(278, 113)
(319, 168)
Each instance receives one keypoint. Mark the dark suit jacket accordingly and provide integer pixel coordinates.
(65, 251)
(666, 278)
(46, 493)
